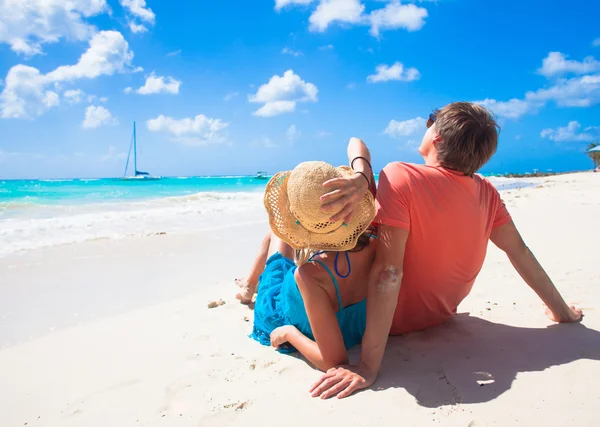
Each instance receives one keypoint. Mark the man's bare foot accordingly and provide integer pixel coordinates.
(247, 291)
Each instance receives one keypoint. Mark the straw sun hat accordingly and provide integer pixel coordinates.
(292, 200)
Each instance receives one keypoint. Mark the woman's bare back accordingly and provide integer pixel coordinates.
(353, 288)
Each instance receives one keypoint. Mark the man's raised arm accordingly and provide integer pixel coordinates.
(346, 194)
(382, 298)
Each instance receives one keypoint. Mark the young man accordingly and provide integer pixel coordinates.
(435, 223)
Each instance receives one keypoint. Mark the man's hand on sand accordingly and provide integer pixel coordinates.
(574, 315)
(342, 382)
(344, 197)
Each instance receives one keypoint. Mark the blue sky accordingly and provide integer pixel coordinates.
(232, 87)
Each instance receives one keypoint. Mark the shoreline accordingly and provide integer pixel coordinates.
(27, 224)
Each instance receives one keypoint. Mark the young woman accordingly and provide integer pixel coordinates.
(312, 288)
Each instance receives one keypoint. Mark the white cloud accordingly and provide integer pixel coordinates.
(137, 28)
(51, 99)
(323, 134)
(275, 108)
(352, 12)
(326, 47)
(24, 93)
(556, 63)
(288, 51)
(341, 11)
(93, 98)
(112, 156)
(281, 94)
(174, 53)
(581, 91)
(74, 96)
(394, 72)
(108, 54)
(596, 42)
(231, 95)
(395, 15)
(96, 116)
(158, 84)
(27, 93)
(128, 90)
(280, 4)
(199, 130)
(28, 24)
(409, 127)
(511, 109)
(292, 134)
(569, 133)
(351, 86)
(138, 9)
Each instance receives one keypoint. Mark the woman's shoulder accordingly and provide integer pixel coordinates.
(312, 272)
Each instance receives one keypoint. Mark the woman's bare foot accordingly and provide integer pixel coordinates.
(246, 292)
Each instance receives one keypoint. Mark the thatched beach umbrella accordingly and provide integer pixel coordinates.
(594, 154)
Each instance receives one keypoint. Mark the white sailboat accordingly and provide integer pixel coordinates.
(137, 175)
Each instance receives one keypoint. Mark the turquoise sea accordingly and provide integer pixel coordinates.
(42, 213)
(16, 194)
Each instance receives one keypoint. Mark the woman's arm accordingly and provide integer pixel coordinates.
(330, 350)
(307, 347)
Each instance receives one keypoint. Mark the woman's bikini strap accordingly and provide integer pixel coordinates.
(335, 283)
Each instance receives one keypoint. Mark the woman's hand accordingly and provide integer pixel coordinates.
(344, 197)
(281, 335)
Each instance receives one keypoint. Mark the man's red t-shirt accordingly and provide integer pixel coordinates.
(449, 217)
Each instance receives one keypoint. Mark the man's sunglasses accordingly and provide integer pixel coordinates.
(431, 120)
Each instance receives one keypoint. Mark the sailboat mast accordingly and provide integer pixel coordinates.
(134, 151)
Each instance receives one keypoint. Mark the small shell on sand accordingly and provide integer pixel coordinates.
(214, 304)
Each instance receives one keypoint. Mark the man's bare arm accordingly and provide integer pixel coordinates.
(346, 193)
(508, 239)
(382, 295)
(382, 298)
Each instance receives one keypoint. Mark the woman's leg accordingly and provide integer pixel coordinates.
(249, 284)
(278, 245)
(270, 245)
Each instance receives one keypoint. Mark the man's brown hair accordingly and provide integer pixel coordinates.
(469, 136)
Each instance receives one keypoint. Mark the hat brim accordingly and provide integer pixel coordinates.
(284, 224)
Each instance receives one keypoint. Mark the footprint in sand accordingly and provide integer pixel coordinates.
(225, 417)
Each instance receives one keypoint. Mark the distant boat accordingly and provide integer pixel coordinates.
(261, 175)
(137, 175)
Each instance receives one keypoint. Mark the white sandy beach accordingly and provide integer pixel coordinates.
(118, 333)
